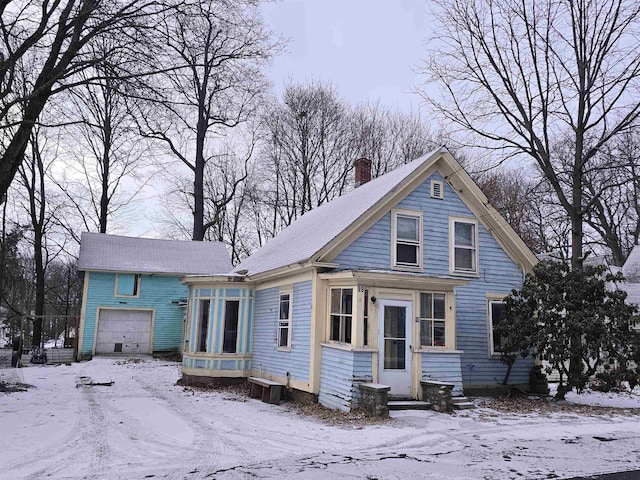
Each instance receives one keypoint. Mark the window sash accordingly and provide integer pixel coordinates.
(230, 335)
(341, 315)
(495, 312)
(432, 319)
(407, 241)
(465, 246)
(284, 321)
(203, 325)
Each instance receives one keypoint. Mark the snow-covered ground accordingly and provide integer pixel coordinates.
(144, 426)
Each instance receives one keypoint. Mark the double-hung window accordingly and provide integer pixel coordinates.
(284, 321)
(341, 314)
(432, 320)
(407, 241)
(495, 309)
(464, 246)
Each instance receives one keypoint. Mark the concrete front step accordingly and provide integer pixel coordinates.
(408, 405)
(462, 403)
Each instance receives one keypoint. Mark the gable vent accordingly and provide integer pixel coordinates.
(437, 189)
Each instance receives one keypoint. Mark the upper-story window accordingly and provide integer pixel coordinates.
(407, 240)
(341, 314)
(127, 285)
(464, 246)
(284, 321)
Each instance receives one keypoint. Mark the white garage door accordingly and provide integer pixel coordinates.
(124, 331)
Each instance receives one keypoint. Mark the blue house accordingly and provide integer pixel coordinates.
(399, 280)
(133, 301)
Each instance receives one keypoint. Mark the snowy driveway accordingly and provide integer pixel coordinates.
(143, 426)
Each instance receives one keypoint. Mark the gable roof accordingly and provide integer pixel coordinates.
(631, 267)
(114, 253)
(316, 234)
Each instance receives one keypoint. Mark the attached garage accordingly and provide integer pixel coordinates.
(124, 331)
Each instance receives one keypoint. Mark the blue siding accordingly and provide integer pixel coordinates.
(498, 275)
(156, 292)
(267, 359)
(443, 367)
(342, 371)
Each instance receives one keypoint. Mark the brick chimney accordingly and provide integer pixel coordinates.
(363, 171)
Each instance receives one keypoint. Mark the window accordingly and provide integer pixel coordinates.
(432, 319)
(366, 317)
(341, 314)
(495, 310)
(407, 251)
(127, 284)
(230, 338)
(284, 321)
(464, 246)
(203, 325)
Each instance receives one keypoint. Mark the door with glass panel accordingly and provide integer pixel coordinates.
(395, 347)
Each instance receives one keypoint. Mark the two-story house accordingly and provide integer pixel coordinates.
(397, 280)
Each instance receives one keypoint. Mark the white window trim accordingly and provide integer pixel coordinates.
(286, 348)
(136, 280)
(420, 244)
(354, 292)
(492, 299)
(452, 247)
(225, 301)
(440, 185)
(446, 321)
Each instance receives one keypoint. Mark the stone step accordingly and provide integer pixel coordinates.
(462, 403)
(408, 405)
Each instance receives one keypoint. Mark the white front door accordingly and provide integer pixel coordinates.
(395, 348)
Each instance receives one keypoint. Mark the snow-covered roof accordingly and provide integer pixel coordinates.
(631, 267)
(305, 237)
(114, 253)
(633, 292)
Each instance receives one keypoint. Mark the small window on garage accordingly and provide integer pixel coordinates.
(127, 285)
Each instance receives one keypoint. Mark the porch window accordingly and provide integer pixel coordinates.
(432, 319)
(464, 246)
(230, 338)
(366, 317)
(127, 284)
(495, 309)
(341, 314)
(407, 243)
(284, 321)
(203, 325)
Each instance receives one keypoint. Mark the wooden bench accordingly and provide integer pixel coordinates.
(268, 390)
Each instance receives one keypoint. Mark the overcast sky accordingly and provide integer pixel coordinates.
(368, 49)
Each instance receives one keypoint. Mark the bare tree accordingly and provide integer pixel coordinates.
(553, 80)
(517, 199)
(307, 151)
(40, 209)
(216, 50)
(43, 47)
(615, 189)
(389, 138)
(103, 145)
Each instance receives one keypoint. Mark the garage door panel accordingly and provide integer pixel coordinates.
(126, 331)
